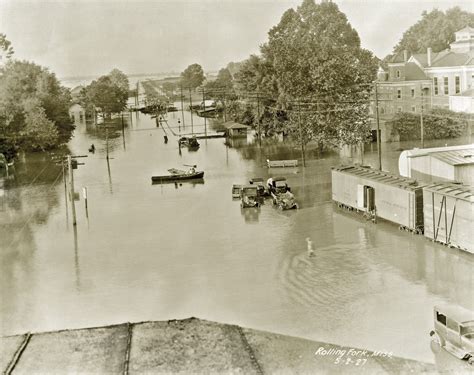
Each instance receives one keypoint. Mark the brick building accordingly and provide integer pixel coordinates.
(433, 79)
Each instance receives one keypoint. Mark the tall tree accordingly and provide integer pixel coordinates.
(435, 30)
(119, 80)
(108, 94)
(21, 84)
(192, 76)
(316, 57)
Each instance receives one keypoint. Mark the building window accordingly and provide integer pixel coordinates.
(446, 85)
(412, 93)
(399, 93)
(435, 84)
(398, 74)
(399, 109)
(382, 110)
(457, 84)
(413, 108)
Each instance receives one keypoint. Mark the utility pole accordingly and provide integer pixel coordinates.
(107, 142)
(301, 135)
(204, 102)
(71, 189)
(191, 110)
(182, 110)
(258, 121)
(225, 109)
(421, 120)
(379, 151)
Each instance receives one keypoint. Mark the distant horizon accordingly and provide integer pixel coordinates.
(88, 38)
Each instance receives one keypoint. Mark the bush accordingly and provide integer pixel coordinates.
(438, 123)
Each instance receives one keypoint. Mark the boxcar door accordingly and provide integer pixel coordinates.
(370, 198)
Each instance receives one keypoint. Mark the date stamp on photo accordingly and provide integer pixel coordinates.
(354, 357)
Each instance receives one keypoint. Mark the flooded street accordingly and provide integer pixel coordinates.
(156, 252)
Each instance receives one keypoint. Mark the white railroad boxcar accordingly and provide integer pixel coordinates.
(380, 194)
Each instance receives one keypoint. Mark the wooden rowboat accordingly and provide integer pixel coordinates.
(178, 177)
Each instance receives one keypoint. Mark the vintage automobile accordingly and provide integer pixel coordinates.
(262, 191)
(190, 142)
(236, 190)
(249, 196)
(281, 194)
(454, 331)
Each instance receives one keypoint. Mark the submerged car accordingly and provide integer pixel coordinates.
(261, 190)
(236, 191)
(249, 196)
(281, 193)
(454, 331)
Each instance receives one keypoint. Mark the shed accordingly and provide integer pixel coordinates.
(455, 163)
(234, 129)
(449, 214)
(391, 197)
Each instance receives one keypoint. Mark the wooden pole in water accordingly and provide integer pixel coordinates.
(204, 103)
(182, 109)
(421, 121)
(225, 110)
(379, 141)
(301, 135)
(258, 121)
(107, 142)
(191, 110)
(71, 189)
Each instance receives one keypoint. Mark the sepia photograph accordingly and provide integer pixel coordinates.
(236, 187)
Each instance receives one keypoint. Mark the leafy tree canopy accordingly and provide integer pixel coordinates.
(438, 123)
(192, 76)
(109, 93)
(32, 102)
(435, 29)
(6, 46)
(314, 54)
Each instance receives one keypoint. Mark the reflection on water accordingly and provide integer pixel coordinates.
(154, 252)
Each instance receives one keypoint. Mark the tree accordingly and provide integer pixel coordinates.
(39, 133)
(316, 57)
(107, 96)
(437, 124)
(120, 81)
(32, 103)
(6, 47)
(435, 30)
(192, 76)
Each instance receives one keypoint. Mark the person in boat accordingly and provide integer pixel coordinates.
(192, 170)
(92, 148)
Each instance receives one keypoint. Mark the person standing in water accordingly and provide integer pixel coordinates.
(310, 250)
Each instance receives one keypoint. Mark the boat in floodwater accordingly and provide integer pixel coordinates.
(179, 175)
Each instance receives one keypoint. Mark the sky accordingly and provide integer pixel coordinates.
(91, 37)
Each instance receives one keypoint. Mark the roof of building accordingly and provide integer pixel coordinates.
(458, 191)
(381, 177)
(413, 72)
(398, 58)
(467, 28)
(235, 125)
(455, 157)
(444, 59)
(76, 90)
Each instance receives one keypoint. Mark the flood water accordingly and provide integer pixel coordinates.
(157, 252)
